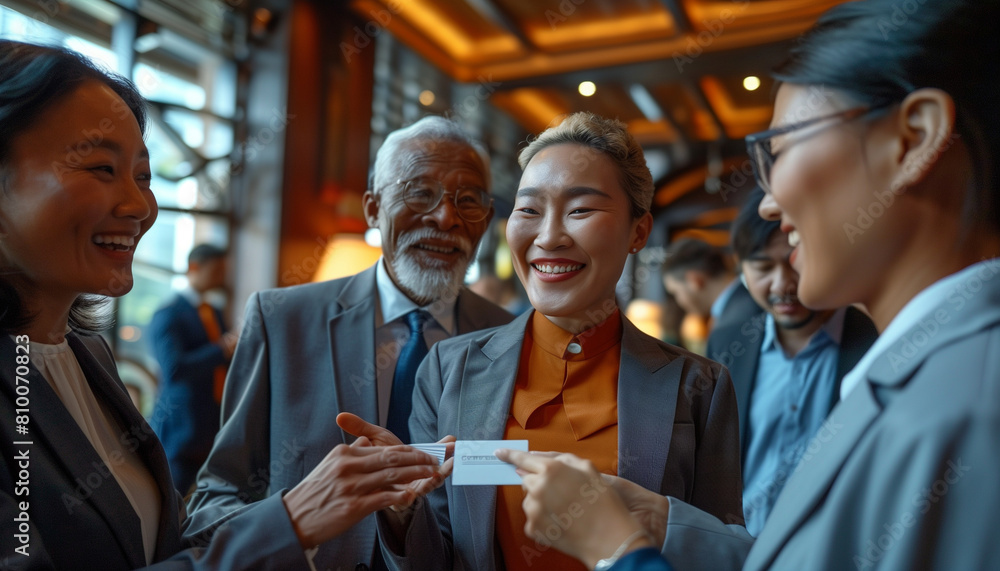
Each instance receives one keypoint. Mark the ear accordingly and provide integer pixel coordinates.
(640, 232)
(926, 129)
(369, 203)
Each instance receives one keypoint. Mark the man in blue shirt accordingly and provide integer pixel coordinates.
(786, 361)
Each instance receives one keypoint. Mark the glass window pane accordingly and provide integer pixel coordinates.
(160, 85)
(168, 242)
(152, 288)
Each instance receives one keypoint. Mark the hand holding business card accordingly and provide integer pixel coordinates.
(475, 464)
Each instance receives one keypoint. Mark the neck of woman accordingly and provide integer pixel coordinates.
(924, 263)
(49, 319)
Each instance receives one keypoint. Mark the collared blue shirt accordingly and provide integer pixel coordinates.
(791, 397)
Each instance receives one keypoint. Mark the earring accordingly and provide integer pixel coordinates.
(634, 250)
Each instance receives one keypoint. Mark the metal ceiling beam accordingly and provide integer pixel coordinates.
(699, 97)
(496, 14)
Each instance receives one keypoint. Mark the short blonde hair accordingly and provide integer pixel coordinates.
(611, 137)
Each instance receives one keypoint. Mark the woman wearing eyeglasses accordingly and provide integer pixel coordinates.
(573, 375)
(882, 168)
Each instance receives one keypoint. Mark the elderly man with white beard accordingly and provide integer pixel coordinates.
(310, 352)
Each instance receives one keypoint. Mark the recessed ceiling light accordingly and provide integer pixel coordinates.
(587, 88)
(426, 97)
(751, 83)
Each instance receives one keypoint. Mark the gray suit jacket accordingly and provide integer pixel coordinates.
(79, 517)
(677, 434)
(903, 473)
(306, 354)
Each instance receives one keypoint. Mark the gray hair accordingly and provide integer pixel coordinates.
(611, 137)
(389, 163)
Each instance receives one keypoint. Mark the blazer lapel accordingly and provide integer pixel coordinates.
(858, 336)
(744, 374)
(108, 389)
(58, 430)
(850, 419)
(953, 319)
(645, 383)
(826, 453)
(352, 343)
(483, 409)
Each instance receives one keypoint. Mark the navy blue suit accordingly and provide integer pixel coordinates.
(186, 417)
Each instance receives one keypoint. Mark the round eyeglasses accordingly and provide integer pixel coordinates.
(423, 195)
(762, 157)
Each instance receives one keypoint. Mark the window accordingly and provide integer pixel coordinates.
(191, 90)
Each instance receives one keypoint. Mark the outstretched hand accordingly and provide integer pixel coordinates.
(565, 487)
(350, 483)
(379, 436)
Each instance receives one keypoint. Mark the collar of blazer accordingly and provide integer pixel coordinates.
(960, 315)
(472, 311)
(647, 389)
(849, 421)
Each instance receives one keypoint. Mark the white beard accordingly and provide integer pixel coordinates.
(427, 284)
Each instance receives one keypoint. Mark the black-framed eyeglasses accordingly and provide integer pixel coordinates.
(423, 195)
(762, 158)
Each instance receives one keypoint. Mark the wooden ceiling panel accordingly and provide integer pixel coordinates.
(673, 70)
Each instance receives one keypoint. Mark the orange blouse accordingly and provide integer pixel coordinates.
(565, 399)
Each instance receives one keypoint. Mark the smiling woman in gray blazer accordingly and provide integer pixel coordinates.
(84, 482)
(572, 375)
(882, 167)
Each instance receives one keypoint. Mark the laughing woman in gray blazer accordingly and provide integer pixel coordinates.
(573, 375)
(882, 167)
(84, 482)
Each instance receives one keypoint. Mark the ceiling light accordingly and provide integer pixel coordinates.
(587, 88)
(751, 83)
(426, 97)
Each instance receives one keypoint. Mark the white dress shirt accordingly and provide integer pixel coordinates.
(391, 331)
(58, 364)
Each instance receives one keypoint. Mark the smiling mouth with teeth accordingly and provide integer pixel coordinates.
(115, 243)
(793, 238)
(437, 249)
(550, 269)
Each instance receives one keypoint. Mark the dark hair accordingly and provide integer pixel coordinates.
(205, 252)
(32, 79)
(878, 51)
(751, 233)
(690, 254)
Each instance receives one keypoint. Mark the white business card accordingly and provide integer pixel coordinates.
(475, 464)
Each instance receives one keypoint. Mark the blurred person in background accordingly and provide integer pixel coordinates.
(787, 361)
(699, 277)
(193, 348)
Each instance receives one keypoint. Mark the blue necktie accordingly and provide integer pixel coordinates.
(401, 399)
